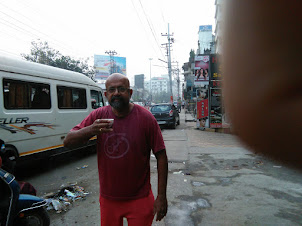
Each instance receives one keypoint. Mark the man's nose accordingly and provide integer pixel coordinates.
(116, 91)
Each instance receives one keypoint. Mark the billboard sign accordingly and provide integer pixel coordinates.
(104, 66)
(201, 70)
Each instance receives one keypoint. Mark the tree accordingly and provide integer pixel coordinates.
(40, 52)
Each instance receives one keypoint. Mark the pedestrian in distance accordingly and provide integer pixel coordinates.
(123, 153)
(179, 105)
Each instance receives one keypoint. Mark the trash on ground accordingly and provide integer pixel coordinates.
(197, 183)
(61, 200)
(179, 172)
(83, 167)
(259, 162)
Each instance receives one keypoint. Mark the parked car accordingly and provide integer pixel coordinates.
(166, 114)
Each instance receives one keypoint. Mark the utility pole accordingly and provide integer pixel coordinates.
(112, 63)
(150, 82)
(178, 79)
(169, 59)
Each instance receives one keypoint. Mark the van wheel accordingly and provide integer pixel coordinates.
(11, 161)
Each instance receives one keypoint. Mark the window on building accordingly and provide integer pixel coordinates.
(71, 98)
(25, 95)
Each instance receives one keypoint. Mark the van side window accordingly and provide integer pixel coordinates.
(96, 99)
(71, 98)
(25, 95)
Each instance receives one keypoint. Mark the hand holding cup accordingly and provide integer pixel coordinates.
(103, 125)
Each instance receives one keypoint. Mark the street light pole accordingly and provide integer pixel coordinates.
(150, 81)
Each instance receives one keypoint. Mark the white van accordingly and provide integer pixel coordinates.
(39, 104)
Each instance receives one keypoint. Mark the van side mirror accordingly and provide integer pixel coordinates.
(93, 104)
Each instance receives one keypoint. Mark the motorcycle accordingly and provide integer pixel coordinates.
(16, 208)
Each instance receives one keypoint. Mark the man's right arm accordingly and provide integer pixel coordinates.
(78, 137)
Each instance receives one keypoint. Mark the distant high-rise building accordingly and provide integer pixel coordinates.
(139, 81)
(205, 39)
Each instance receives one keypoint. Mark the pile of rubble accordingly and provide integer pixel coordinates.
(61, 200)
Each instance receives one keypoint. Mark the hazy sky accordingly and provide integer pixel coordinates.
(81, 29)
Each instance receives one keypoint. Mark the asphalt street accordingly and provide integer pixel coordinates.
(213, 180)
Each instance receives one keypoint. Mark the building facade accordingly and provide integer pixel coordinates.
(218, 27)
(158, 84)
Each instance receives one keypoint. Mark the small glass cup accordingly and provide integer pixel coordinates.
(110, 120)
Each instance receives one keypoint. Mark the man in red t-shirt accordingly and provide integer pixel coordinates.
(124, 156)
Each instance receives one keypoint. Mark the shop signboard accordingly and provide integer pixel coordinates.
(216, 108)
(201, 70)
(202, 107)
(217, 115)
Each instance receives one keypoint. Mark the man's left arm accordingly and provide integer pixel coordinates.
(161, 203)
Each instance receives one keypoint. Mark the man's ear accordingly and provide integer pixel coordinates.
(130, 92)
(105, 93)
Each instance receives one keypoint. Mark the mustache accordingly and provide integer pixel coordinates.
(116, 98)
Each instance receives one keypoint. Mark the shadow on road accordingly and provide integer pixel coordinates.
(39, 166)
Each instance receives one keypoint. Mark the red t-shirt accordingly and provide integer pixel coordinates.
(124, 154)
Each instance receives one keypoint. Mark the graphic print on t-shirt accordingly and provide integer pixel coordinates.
(116, 145)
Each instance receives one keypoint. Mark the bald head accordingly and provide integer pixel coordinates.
(117, 77)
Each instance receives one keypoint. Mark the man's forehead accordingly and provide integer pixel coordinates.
(117, 81)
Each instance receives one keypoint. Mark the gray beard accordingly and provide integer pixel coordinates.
(118, 105)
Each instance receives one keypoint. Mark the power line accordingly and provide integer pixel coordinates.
(161, 12)
(46, 36)
(142, 25)
(28, 26)
(12, 36)
(37, 34)
(150, 25)
(16, 27)
(9, 53)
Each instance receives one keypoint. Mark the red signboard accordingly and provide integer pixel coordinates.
(202, 109)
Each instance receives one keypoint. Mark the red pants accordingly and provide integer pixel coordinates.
(139, 212)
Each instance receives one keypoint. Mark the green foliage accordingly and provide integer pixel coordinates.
(41, 53)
